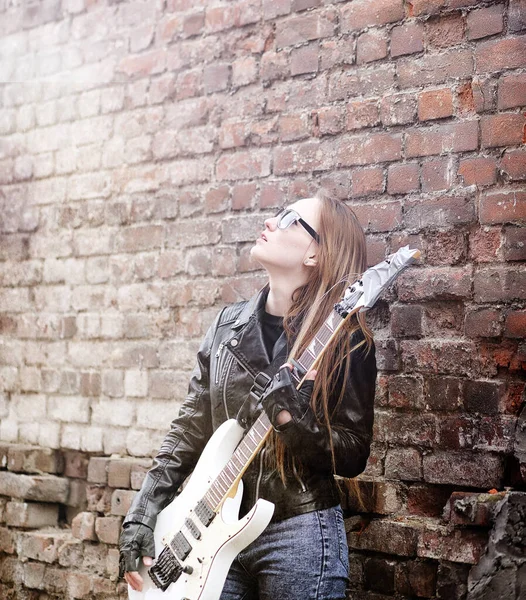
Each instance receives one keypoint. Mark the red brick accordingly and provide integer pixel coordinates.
(516, 324)
(303, 28)
(516, 16)
(436, 175)
(189, 84)
(44, 488)
(108, 529)
(484, 244)
(405, 428)
(432, 7)
(376, 217)
(435, 104)
(512, 91)
(29, 459)
(438, 212)
(513, 164)
(363, 113)
(455, 137)
(304, 60)
(404, 464)
(373, 148)
(216, 77)
(308, 156)
(233, 134)
(216, 199)
(497, 55)
(485, 21)
(414, 578)
(443, 319)
(365, 13)
(348, 84)
(442, 393)
(464, 546)
(371, 46)
(434, 69)
(398, 109)
(365, 182)
(502, 130)
(503, 207)
(142, 65)
(403, 178)
(298, 5)
(468, 508)
(244, 196)
(478, 171)
(76, 464)
(466, 100)
(274, 65)
(436, 282)
(444, 357)
(136, 239)
(406, 320)
(243, 165)
(293, 127)
(219, 18)
(445, 248)
(499, 284)
(482, 396)
(485, 322)
(83, 526)
(463, 467)
(119, 473)
(121, 501)
(330, 119)
(484, 94)
(514, 246)
(445, 31)
(79, 585)
(272, 195)
(391, 537)
(407, 39)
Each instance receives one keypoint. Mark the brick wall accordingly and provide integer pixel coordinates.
(142, 144)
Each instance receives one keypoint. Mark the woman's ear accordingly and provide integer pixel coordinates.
(311, 261)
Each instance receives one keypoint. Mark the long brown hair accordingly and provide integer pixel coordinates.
(341, 259)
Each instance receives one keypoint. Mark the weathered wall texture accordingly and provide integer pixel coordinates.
(143, 142)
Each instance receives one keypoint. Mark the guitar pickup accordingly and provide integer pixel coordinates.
(193, 529)
(180, 546)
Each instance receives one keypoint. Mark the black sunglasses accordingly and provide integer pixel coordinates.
(287, 217)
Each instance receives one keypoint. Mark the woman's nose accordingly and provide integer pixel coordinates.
(271, 222)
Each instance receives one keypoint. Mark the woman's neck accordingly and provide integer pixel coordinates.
(279, 299)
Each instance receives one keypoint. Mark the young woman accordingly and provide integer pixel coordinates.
(311, 251)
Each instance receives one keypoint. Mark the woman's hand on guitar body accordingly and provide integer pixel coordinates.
(136, 540)
(282, 401)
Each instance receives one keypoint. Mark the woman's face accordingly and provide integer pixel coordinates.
(289, 249)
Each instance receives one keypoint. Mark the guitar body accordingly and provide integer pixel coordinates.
(212, 554)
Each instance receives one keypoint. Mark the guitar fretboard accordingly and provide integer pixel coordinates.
(254, 439)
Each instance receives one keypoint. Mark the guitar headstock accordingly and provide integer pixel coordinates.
(363, 294)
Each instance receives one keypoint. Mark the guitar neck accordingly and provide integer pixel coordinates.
(224, 484)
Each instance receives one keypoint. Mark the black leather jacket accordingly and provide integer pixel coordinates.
(231, 355)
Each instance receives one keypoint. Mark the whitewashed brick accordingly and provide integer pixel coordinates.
(89, 185)
(88, 354)
(91, 439)
(48, 139)
(46, 113)
(113, 152)
(136, 383)
(70, 437)
(93, 241)
(4, 406)
(144, 443)
(117, 412)
(97, 269)
(139, 296)
(89, 104)
(44, 166)
(157, 414)
(70, 270)
(28, 433)
(68, 409)
(111, 326)
(30, 380)
(113, 383)
(90, 297)
(112, 99)
(15, 299)
(49, 435)
(8, 430)
(51, 246)
(89, 157)
(88, 325)
(91, 130)
(56, 298)
(65, 161)
(8, 378)
(29, 407)
(114, 440)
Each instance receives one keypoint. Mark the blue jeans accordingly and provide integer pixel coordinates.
(301, 558)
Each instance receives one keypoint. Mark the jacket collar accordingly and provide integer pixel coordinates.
(255, 305)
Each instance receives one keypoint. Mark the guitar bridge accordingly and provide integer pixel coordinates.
(166, 569)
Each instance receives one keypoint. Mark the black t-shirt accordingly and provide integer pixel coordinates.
(272, 328)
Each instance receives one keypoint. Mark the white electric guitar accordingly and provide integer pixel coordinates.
(198, 535)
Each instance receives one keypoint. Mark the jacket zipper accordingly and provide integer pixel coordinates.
(218, 361)
(260, 473)
(303, 488)
(224, 386)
